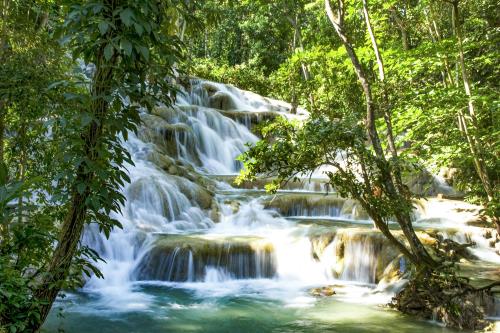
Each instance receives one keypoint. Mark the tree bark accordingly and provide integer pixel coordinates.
(402, 27)
(423, 259)
(3, 112)
(22, 167)
(74, 220)
(445, 60)
(381, 71)
(297, 43)
(474, 141)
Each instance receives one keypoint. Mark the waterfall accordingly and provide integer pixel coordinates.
(185, 222)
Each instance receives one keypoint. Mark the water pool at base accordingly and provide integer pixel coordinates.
(170, 308)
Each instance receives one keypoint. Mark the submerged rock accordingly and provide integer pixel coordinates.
(323, 291)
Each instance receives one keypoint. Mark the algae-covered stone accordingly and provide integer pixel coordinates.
(221, 101)
(306, 204)
(186, 258)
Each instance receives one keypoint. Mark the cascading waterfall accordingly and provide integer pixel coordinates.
(187, 225)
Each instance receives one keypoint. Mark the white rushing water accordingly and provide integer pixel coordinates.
(171, 234)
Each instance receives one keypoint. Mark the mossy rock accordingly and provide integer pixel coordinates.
(306, 204)
(323, 291)
(186, 257)
(221, 101)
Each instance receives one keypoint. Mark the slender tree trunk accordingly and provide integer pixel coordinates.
(205, 42)
(3, 112)
(404, 220)
(297, 44)
(445, 59)
(385, 107)
(4, 45)
(381, 73)
(402, 29)
(22, 168)
(400, 22)
(422, 256)
(74, 220)
(474, 141)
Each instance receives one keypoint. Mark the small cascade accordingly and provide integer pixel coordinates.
(193, 258)
(307, 205)
(201, 136)
(358, 255)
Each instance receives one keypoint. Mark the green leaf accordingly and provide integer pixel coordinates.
(139, 29)
(126, 46)
(103, 27)
(81, 188)
(126, 16)
(144, 52)
(108, 51)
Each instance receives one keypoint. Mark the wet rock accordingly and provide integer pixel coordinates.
(323, 291)
(196, 193)
(353, 210)
(487, 234)
(306, 204)
(209, 88)
(173, 170)
(215, 211)
(234, 204)
(221, 101)
(448, 299)
(187, 257)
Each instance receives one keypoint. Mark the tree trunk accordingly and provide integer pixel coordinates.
(381, 71)
(297, 43)
(474, 141)
(402, 28)
(22, 168)
(4, 45)
(423, 259)
(445, 60)
(74, 220)
(3, 112)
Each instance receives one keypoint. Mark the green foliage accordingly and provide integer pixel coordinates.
(123, 55)
(332, 87)
(290, 149)
(29, 243)
(241, 76)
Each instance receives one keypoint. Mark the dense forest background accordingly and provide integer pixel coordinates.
(288, 50)
(74, 75)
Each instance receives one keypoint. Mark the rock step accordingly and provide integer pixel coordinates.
(184, 258)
